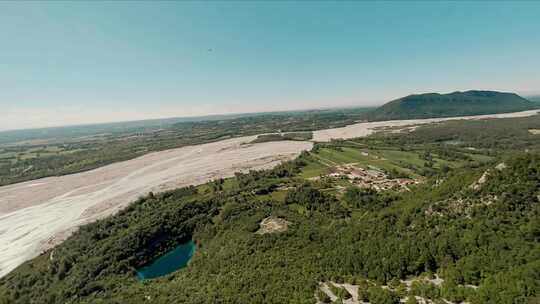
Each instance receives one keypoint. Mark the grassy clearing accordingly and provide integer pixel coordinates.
(415, 161)
(339, 157)
(385, 160)
(481, 158)
(313, 169)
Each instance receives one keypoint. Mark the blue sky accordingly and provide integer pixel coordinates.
(81, 62)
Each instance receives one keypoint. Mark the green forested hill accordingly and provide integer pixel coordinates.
(481, 238)
(534, 98)
(452, 104)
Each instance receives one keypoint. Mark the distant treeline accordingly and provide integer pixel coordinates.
(86, 153)
(300, 136)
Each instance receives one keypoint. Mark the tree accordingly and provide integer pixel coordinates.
(323, 297)
(378, 295)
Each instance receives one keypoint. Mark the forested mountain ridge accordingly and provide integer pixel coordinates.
(473, 219)
(432, 105)
(534, 98)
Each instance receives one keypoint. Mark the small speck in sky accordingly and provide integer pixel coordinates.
(83, 62)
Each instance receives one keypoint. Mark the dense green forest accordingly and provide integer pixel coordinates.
(453, 104)
(480, 236)
(534, 98)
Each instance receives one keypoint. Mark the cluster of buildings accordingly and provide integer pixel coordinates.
(372, 177)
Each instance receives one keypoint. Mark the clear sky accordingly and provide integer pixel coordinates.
(81, 62)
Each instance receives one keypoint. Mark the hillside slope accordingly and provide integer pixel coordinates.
(453, 104)
(473, 220)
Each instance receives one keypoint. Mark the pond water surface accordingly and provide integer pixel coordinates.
(173, 260)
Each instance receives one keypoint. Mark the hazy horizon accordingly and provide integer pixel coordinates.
(210, 115)
(75, 63)
(321, 108)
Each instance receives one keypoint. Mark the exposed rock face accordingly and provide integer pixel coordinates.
(273, 225)
(482, 180)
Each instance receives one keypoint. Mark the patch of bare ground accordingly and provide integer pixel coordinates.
(464, 207)
(477, 185)
(327, 290)
(405, 286)
(273, 225)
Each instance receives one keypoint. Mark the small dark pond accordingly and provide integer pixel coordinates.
(173, 260)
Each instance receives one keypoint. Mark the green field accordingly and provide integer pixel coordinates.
(415, 162)
(32, 154)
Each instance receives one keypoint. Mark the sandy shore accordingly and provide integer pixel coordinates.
(39, 214)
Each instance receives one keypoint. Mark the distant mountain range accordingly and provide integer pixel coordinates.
(467, 103)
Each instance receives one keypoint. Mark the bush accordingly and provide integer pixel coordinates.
(323, 297)
(378, 295)
(339, 292)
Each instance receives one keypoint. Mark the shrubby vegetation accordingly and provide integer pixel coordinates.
(340, 292)
(32, 154)
(487, 236)
(495, 246)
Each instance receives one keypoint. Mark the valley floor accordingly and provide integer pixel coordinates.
(446, 212)
(39, 214)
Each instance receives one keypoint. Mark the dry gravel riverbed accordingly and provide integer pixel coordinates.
(39, 214)
(367, 128)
